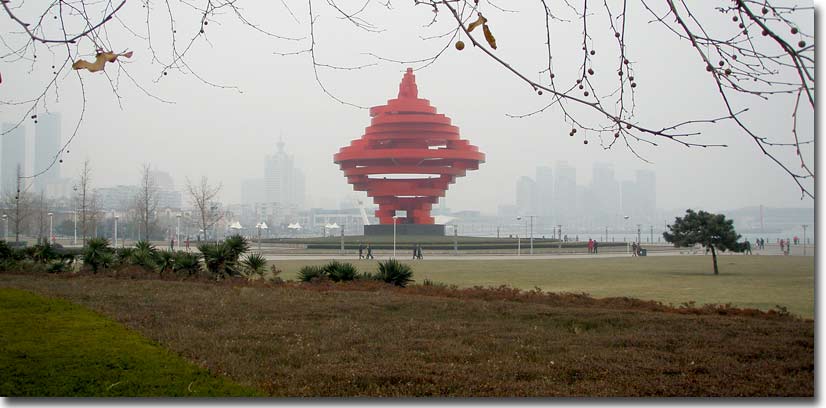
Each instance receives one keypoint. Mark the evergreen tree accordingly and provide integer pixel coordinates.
(713, 231)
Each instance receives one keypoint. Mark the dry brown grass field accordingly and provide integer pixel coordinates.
(762, 282)
(369, 339)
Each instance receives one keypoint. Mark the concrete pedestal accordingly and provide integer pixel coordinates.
(405, 229)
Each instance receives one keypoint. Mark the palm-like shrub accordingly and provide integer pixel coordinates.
(236, 245)
(164, 261)
(123, 256)
(144, 254)
(6, 251)
(309, 273)
(97, 254)
(218, 260)
(253, 265)
(186, 263)
(340, 271)
(106, 259)
(395, 272)
(43, 253)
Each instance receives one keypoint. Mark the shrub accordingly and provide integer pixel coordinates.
(236, 245)
(97, 254)
(340, 272)
(310, 273)
(5, 251)
(57, 266)
(395, 272)
(144, 254)
(253, 265)
(274, 272)
(164, 261)
(123, 256)
(186, 263)
(43, 253)
(218, 260)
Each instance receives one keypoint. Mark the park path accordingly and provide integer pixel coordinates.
(771, 250)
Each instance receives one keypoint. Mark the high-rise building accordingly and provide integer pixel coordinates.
(46, 147)
(283, 182)
(544, 192)
(565, 193)
(13, 155)
(606, 193)
(647, 189)
(526, 196)
(252, 191)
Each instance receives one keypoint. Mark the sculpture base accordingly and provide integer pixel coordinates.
(405, 229)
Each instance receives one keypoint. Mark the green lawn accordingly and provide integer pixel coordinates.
(52, 348)
(746, 281)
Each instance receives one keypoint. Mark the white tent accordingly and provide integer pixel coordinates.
(262, 225)
(236, 225)
(443, 219)
(295, 226)
(332, 226)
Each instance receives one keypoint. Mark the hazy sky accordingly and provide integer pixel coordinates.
(224, 133)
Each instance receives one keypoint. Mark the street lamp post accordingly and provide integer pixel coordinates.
(51, 228)
(6, 234)
(638, 233)
(395, 217)
(518, 246)
(178, 231)
(559, 231)
(455, 240)
(74, 241)
(258, 226)
(804, 238)
(342, 238)
(526, 225)
(116, 230)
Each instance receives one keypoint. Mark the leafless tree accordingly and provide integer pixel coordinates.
(19, 204)
(146, 201)
(85, 202)
(752, 50)
(202, 196)
(41, 209)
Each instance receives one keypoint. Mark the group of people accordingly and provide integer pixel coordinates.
(760, 243)
(417, 252)
(172, 244)
(369, 252)
(593, 246)
(636, 249)
(785, 246)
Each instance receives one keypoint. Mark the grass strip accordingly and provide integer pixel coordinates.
(53, 348)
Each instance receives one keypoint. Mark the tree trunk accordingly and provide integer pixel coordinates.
(714, 259)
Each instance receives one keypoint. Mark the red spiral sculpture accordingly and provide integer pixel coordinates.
(407, 157)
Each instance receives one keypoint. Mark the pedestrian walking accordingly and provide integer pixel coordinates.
(590, 246)
(416, 251)
(172, 244)
(369, 252)
(361, 250)
(596, 247)
(187, 243)
(419, 251)
(633, 249)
